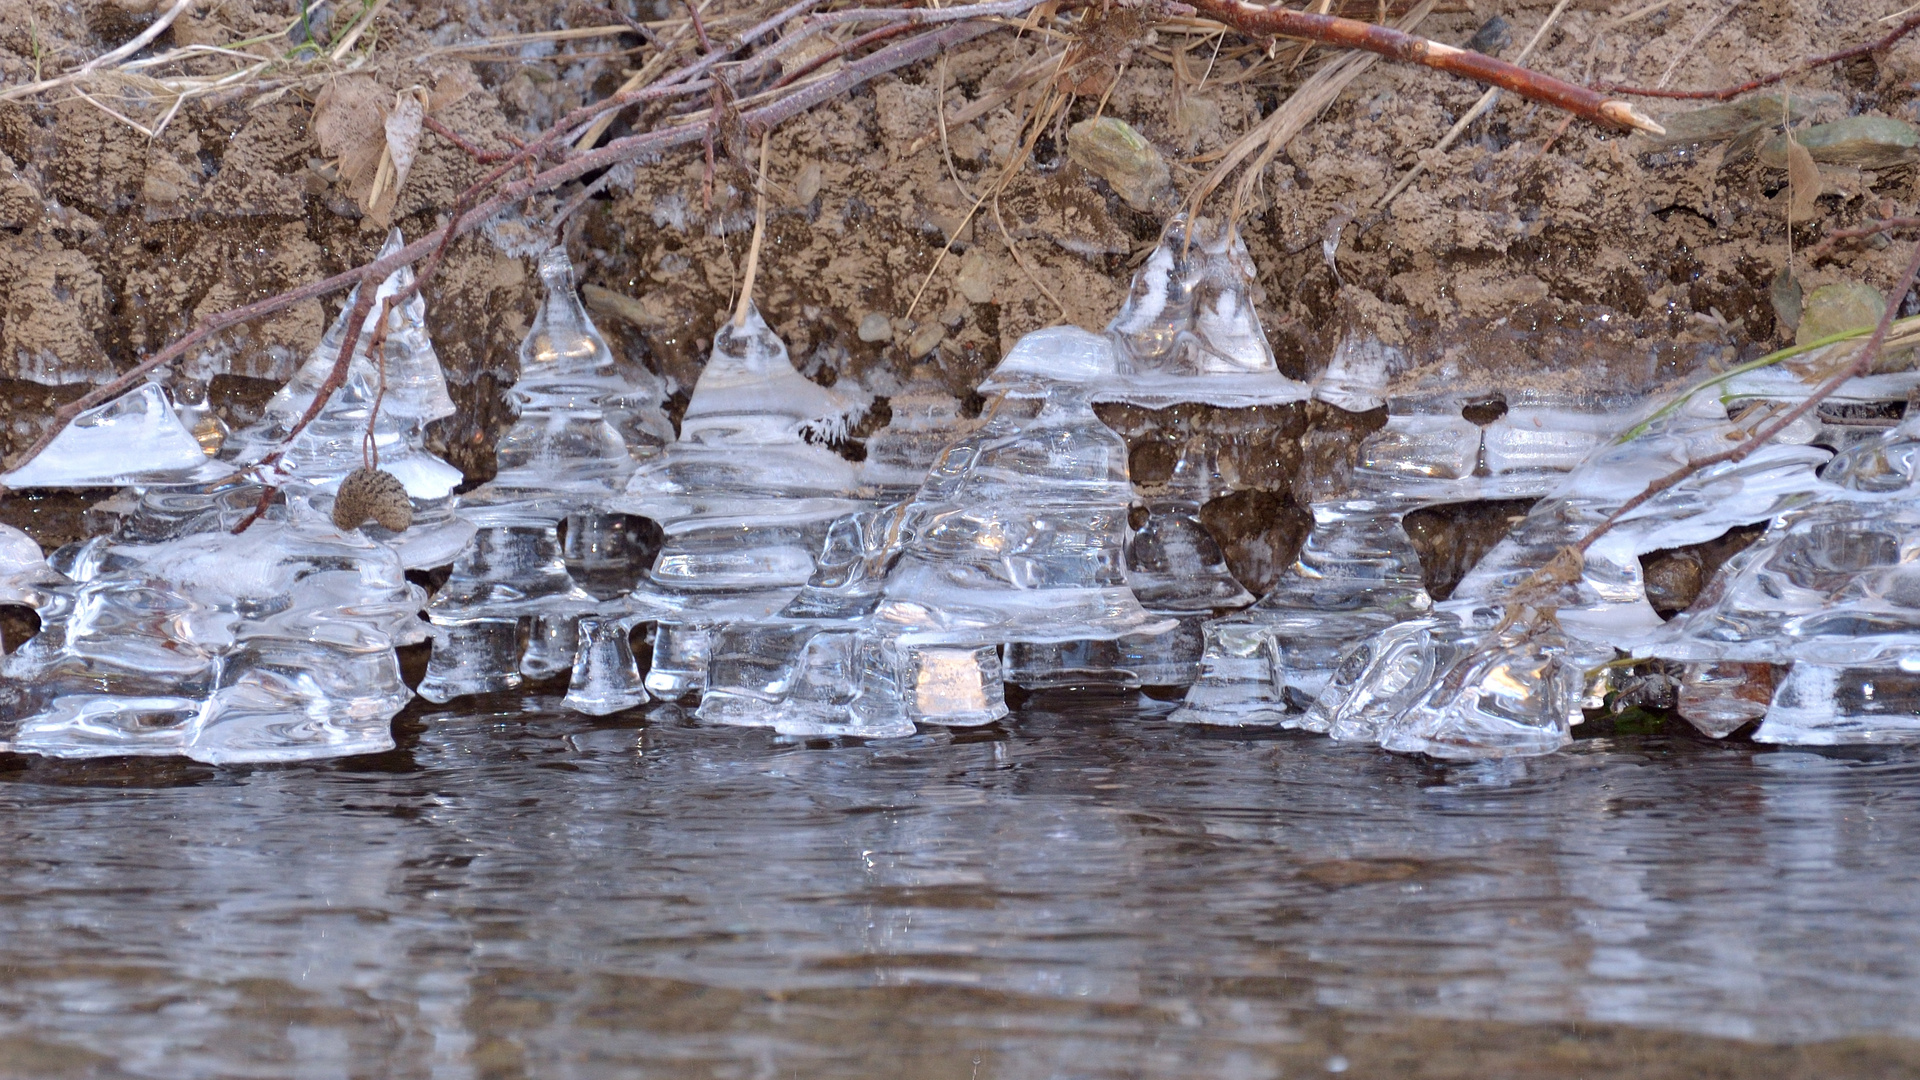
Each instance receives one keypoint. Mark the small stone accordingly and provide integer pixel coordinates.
(1866, 142)
(975, 279)
(1836, 309)
(807, 184)
(876, 327)
(925, 339)
(1784, 292)
(1112, 150)
(372, 494)
(1673, 579)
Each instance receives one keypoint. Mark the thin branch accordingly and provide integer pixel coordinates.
(575, 166)
(1869, 229)
(1393, 44)
(484, 157)
(1861, 364)
(145, 38)
(1912, 22)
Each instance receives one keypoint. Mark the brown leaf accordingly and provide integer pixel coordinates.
(349, 123)
(403, 126)
(1803, 179)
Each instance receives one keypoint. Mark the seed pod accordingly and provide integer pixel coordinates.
(372, 494)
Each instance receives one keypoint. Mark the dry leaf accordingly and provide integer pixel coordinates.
(403, 126)
(374, 138)
(1803, 179)
(349, 123)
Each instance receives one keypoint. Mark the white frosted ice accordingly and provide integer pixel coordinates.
(134, 439)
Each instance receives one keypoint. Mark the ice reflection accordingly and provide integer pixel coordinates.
(1101, 893)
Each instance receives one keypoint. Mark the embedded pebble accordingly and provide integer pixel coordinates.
(975, 279)
(1835, 309)
(1867, 142)
(372, 494)
(1112, 150)
(925, 339)
(875, 327)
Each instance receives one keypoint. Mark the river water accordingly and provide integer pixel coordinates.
(1086, 891)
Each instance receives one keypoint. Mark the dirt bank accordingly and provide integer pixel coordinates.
(1532, 254)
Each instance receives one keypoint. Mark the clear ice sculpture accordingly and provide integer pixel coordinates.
(407, 387)
(1816, 626)
(276, 644)
(135, 439)
(1017, 536)
(1188, 333)
(1017, 533)
(1358, 572)
(560, 463)
(1501, 670)
(745, 498)
(926, 420)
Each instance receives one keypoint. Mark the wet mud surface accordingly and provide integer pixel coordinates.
(1085, 891)
(1532, 256)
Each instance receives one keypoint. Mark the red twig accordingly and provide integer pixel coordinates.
(1870, 228)
(1397, 45)
(484, 157)
(1912, 22)
(699, 28)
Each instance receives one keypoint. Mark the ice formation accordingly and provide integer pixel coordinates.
(1501, 667)
(1358, 573)
(1187, 333)
(745, 498)
(796, 590)
(134, 439)
(276, 644)
(1816, 627)
(560, 464)
(401, 389)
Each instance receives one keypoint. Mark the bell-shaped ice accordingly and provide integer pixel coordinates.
(376, 419)
(1188, 330)
(561, 455)
(561, 462)
(745, 498)
(134, 439)
(415, 386)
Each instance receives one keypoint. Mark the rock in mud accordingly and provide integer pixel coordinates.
(1836, 309)
(1866, 142)
(1114, 151)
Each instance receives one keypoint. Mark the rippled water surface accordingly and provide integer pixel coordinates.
(1088, 892)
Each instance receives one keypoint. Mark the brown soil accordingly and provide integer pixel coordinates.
(1533, 255)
